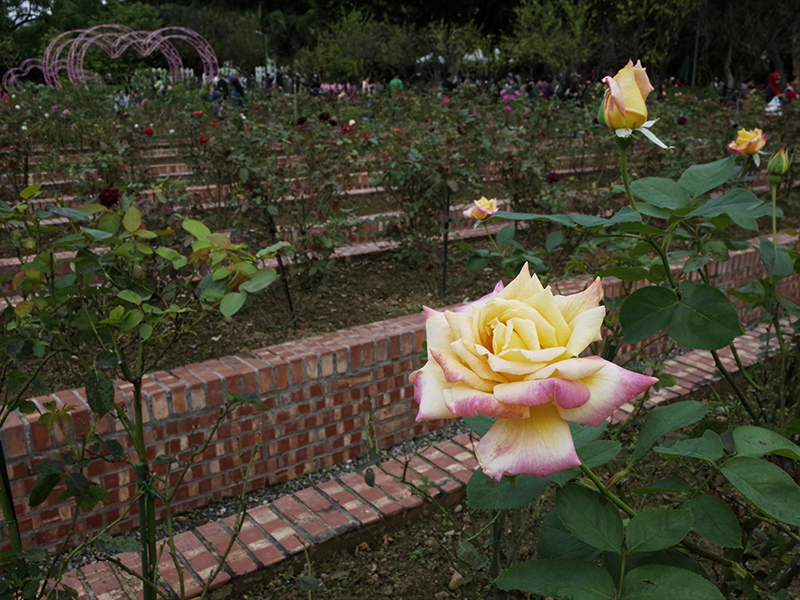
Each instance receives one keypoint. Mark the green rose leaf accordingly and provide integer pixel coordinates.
(704, 318)
(484, 492)
(560, 578)
(664, 419)
(599, 452)
(646, 312)
(132, 219)
(715, 521)
(590, 517)
(698, 179)
(670, 484)
(766, 485)
(776, 260)
(262, 279)
(661, 192)
(69, 213)
(708, 447)
(308, 583)
(657, 529)
(231, 303)
(661, 582)
(100, 393)
(42, 489)
(196, 228)
(757, 441)
(556, 541)
(737, 200)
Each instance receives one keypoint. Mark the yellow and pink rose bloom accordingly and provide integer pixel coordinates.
(515, 354)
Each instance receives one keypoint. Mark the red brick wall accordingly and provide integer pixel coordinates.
(320, 391)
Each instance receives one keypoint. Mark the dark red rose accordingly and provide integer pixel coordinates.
(552, 177)
(148, 131)
(202, 140)
(108, 197)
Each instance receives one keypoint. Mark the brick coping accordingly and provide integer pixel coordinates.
(317, 516)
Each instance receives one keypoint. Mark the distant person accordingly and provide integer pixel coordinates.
(395, 86)
(773, 89)
(546, 89)
(160, 88)
(792, 89)
(121, 103)
(236, 90)
(215, 96)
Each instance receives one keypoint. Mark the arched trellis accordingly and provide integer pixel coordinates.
(114, 40)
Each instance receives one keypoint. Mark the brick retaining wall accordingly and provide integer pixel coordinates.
(322, 392)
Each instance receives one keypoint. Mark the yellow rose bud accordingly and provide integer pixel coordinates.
(748, 141)
(624, 102)
(481, 209)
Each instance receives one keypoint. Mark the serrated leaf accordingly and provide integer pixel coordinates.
(647, 311)
(196, 228)
(766, 485)
(310, 584)
(664, 419)
(231, 303)
(42, 489)
(708, 447)
(100, 393)
(670, 484)
(704, 318)
(715, 521)
(484, 492)
(560, 578)
(757, 441)
(130, 296)
(590, 517)
(698, 179)
(661, 192)
(657, 529)
(661, 582)
(556, 541)
(69, 213)
(132, 219)
(262, 279)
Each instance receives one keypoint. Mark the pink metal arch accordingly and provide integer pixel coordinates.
(25, 67)
(114, 40)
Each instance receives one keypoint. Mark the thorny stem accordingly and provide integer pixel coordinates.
(729, 378)
(606, 492)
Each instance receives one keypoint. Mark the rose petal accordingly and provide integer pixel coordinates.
(477, 363)
(586, 328)
(455, 371)
(437, 329)
(429, 393)
(467, 402)
(536, 392)
(610, 387)
(574, 304)
(540, 445)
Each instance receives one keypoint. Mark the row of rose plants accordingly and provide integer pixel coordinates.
(713, 510)
(529, 377)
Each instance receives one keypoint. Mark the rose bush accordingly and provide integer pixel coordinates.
(624, 102)
(748, 141)
(514, 355)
